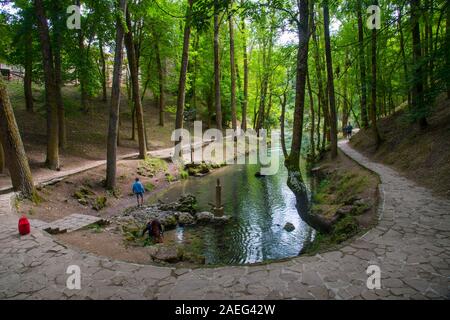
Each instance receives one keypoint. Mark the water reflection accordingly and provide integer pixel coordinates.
(260, 207)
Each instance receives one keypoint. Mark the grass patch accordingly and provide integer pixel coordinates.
(344, 229)
(149, 186)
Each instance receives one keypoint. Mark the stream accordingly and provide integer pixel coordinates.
(260, 207)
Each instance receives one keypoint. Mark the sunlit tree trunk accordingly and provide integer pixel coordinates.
(245, 100)
(330, 82)
(311, 117)
(51, 88)
(11, 141)
(57, 41)
(184, 67)
(232, 72)
(132, 63)
(111, 157)
(217, 101)
(302, 69)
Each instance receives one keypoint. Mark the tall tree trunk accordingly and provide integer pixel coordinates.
(330, 82)
(217, 101)
(418, 91)
(2, 159)
(283, 101)
(82, 72)
(51, 88)
(322, 101)
(232, 71)
(11, 141)
(402, 52)
(373, 102)
(245, 100)
(103, 63)
(183, 72)
(111, 157)
(27, 80)
(57, 40)
(302, 69)
(132, 63)
(447, 48)
(362, 67)
(311, 117)
(161, 95)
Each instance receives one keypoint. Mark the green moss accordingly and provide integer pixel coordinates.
(170, 177)
(99, 203)
(343, 230)
(184, 175)
(149, 186)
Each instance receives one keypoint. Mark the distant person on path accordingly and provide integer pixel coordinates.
(349, 131)
(138, 190)
(155, 230)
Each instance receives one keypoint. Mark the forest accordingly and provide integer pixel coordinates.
(92, 91)
(315, 66)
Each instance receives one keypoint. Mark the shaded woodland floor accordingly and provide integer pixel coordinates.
(421, 155)
(86, 132)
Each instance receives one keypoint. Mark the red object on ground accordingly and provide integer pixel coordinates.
(24, 226)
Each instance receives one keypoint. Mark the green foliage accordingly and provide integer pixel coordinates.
(184, 175)
(99, 203)
(149, 186)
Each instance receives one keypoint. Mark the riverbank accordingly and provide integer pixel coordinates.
(344, 201)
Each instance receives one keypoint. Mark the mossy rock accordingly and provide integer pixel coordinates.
(99, 203)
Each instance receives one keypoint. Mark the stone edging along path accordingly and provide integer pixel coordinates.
(410, 244)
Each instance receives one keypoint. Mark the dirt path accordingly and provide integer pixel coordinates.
(411, 245)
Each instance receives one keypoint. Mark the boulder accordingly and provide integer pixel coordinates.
(204, 217)
(185, 218)
(289, 227)
(168, 220)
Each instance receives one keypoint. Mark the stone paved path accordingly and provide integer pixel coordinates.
(70, 223)
(410, 244)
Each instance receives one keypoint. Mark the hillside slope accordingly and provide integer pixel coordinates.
(421, 155)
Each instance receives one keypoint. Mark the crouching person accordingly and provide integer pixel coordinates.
(155, 230)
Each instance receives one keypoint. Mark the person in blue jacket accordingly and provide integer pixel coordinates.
(138, 190)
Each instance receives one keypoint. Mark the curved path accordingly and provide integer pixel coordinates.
(411, 245)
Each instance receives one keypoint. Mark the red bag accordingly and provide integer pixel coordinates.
(24, 226)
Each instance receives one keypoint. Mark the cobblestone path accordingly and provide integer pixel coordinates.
(410, 244)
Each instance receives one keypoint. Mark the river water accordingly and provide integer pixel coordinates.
(260, 207)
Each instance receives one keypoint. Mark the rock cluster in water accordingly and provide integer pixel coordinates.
(182, 212)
